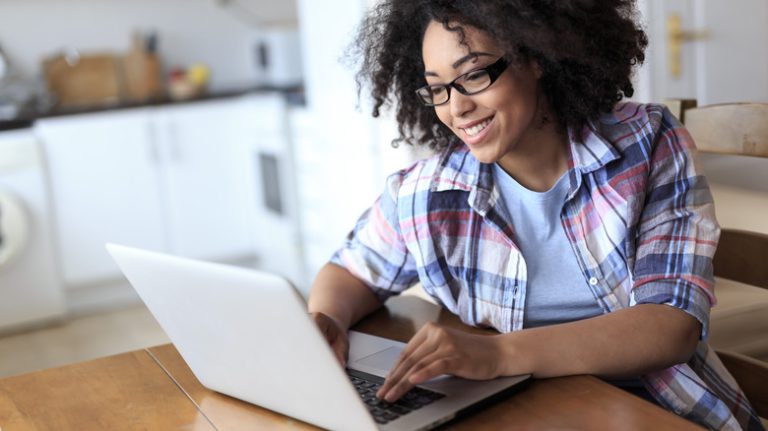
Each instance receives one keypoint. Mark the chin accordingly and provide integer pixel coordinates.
(484, 155)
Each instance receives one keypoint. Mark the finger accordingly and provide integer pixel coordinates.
(435, 363)
(403, 363)
(416, 342)
(322, 323)
(341, 349)
(333, 336)
(402, 369)
(421, 344)
(431, 370)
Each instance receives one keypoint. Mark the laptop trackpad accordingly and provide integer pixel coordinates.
(383, 359)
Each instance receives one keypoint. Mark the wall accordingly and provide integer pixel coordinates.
(189, 31)
(343, 154)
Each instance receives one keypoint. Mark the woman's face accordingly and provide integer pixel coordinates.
(495, 122)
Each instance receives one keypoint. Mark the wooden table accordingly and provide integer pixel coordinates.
(153, 389)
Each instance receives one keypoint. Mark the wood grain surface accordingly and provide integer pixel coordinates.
(124, 392)
(226, 412)
(154, 389)
(577, 402)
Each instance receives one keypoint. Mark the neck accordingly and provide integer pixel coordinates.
(540, 160)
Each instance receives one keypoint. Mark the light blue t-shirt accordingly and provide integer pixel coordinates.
(557, 290)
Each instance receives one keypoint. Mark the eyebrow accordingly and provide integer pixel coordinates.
(462, 60)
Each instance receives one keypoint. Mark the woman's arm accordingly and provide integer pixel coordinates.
(337, 301)
(622, 344)
(340, 295)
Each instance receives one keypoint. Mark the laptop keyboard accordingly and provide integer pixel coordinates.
(367, 385)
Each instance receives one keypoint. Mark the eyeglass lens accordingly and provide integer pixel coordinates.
(470, 83)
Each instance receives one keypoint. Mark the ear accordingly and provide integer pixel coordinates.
(537, 70)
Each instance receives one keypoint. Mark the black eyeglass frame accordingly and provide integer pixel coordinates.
(494, 70)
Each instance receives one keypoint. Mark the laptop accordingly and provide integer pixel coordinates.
(247, 334)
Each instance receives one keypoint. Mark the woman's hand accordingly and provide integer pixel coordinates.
(335, 334)
(436, 350)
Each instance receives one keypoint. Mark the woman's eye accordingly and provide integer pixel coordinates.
(477, 75)
(436, 91)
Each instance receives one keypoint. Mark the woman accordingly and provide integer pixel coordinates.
(575, 225)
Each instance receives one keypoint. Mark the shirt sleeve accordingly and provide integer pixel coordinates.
(375, 251)
(678, 232)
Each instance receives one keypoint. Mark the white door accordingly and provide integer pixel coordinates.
(724, 58)
(723, 52)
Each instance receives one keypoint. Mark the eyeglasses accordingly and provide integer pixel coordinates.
(467, 84)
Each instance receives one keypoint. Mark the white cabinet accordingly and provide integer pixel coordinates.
(176, 178)
(104, 176)
(208, 178)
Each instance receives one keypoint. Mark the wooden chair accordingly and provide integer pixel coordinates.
(731, 128)
(743, 256)
(752, 376)
(741, 260)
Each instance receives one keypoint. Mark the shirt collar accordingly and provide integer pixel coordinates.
(458, 170)
(589, 150)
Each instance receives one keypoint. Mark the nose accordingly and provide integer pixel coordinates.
(460, 104)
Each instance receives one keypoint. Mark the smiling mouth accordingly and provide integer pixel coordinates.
(477, 128)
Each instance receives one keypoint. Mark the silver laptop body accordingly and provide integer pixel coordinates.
(247, 334)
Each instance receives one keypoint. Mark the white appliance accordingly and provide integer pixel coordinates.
(30, 286)
(277, 58)
(278, 242)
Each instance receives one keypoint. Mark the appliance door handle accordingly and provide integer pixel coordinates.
(173, 131)
(152, 147)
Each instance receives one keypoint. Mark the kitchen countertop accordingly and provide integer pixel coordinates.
(294, 96)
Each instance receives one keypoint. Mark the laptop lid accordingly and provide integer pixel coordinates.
(246, 334)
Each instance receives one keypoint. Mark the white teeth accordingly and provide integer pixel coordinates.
(477, 128)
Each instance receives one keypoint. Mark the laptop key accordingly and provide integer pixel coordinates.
(399, 409)
(390, 415)
(383, 412)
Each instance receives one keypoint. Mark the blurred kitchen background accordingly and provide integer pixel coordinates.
(229, 130)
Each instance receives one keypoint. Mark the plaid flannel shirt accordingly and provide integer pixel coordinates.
(639, 217)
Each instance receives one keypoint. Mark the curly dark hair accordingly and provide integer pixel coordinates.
(585, 48)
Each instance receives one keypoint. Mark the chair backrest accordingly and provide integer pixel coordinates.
(730, 128)
(737, 129)
(752, 376)
(742, 256)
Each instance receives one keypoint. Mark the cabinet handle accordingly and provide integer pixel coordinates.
(175, 145)
(154, 152)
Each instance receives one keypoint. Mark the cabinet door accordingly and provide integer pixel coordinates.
(209, 177)
(104, 184)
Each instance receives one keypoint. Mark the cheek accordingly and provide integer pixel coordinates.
(444, 115)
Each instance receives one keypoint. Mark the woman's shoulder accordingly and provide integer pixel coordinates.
(633, 114)
(453, 168)
(631, 124)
